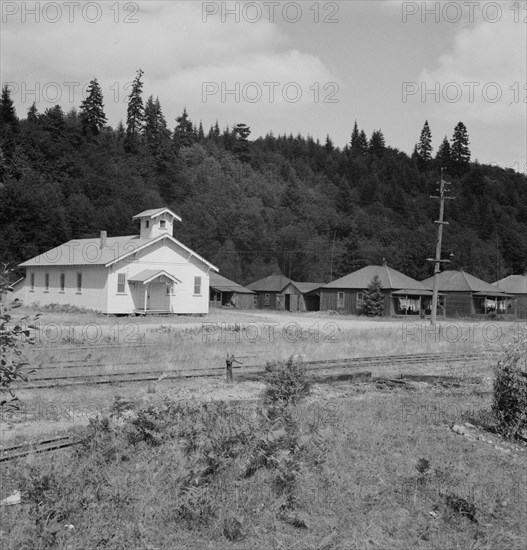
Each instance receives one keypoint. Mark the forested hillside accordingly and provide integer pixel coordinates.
(253, 207)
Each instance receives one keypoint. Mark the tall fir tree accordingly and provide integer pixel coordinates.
(241, 147)
(377, 144)
(424, 147)
(135, 111)
(92, 115)
(362, 145)
(32, 113)
(443, 153)
(373, 304)
(354, 135)
(7, 109)
(214, 132)
(459, 151)
(184, 132)
(359, 141)
(201, 133)
(8, 122)
(155, 128)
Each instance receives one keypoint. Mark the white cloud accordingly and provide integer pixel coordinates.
(493, 57)
(173, 45)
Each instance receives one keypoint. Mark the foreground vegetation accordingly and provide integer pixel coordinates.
(371, 468)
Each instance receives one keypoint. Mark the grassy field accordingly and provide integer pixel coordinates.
(365, 466)
(372, 468)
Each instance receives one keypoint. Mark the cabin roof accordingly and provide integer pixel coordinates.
(89, 251)
(513, 284)
(390, 279)
(153, 212)
(272, 283)
(460, 281)
(218, 282)
(305, 288)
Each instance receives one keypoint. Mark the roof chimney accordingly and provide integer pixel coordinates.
(103, 239)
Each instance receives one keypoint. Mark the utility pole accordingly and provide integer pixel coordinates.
(497, 258)
(332, 251)
(437, 260)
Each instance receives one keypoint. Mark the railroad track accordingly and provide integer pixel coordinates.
(346, 364)
(316, 367)
(89, 362)
(24, 449)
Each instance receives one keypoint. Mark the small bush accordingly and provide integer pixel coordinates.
(510, 389)
(286, 382)
(64, 308)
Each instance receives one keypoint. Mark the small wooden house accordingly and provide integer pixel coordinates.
(147, 273)
(276, 292)
(224, 292)
(517, 286)
(466, 295)
(280, 292)
(402, 294)
(310, 295)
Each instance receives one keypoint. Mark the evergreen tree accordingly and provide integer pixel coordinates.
(7, 110)
(459, 152)
(292, 199)
(329, 144)
(424, 147)
(92, 114)
(359, 141)
(377, 143)
(155, 127)
(32, 113)
(201, 133)
(354, 136)
(8, 122)
(241, 146)
(214, 132)
(53, 121)
(373, 304)
(184, 134)
(443, 153)
(121, 131)
(228, 138)
(135, 111)
(362, 145)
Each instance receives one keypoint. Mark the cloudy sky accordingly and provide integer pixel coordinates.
(309, 67)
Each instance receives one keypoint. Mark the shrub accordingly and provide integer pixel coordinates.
(13, 336)
(510, 389)
(286, 382)
(64, 308)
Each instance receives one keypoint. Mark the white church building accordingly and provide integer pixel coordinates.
(147, 273)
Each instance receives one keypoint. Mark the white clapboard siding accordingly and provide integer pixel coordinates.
(163, 255)
(92, 295)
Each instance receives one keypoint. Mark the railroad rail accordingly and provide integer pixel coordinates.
(318, 366)
(24, 449)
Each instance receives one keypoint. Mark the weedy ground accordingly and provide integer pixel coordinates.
(77, 343)
(371, 467)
